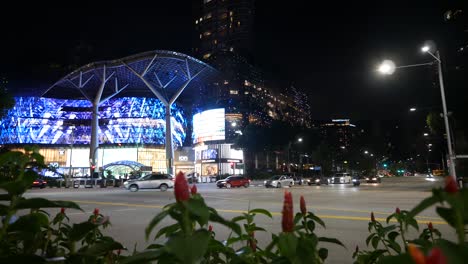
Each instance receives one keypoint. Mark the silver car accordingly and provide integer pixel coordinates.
(151, 181)
(279, 181)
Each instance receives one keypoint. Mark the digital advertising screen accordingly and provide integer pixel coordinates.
(209, 125)
(127, 120)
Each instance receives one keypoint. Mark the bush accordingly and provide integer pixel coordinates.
(34, 238)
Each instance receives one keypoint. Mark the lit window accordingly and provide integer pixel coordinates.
(207, 16)
(201, 36)
(234, 92)
(226, 82)
(231, 49)
(215, 41)
(206, 1)
(196, 21)
(207, 33)
(207, 55)
(246, 92)
(231, 13)
(238, 23)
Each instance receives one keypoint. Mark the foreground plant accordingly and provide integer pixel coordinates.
(429, 247)
(31, 237)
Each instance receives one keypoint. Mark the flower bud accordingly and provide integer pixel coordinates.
(193, 190)
(303, 206)
(430, 226)
(181, 188)
(397, 210)
(450, 185)
(62, 210)
(96, 211)
(288, 218)
(416, 254)
(372, 217)
(210, 228)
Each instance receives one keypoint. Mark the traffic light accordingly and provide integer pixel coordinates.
(385, 165)
(232, 165)
(93, 167)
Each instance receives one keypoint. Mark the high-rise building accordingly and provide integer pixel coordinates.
(224, 39)
(224, 25)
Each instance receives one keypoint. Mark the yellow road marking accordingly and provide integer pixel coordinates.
(338, 217)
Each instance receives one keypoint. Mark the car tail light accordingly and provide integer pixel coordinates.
(44, 182)
(35, 182)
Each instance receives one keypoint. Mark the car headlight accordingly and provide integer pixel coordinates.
(317, 180)
(367, 179)
(264, 182)
(354, 180)
(374, 179)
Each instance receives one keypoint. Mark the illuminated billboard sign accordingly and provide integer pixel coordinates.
(127, 120)
(209, 125)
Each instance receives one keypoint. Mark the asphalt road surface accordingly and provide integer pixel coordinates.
(344, 208)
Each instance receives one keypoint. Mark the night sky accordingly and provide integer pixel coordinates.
(328, 50)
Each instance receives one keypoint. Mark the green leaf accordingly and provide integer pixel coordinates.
(215, 217)
(323, 253)
(393, 235)
(30, 223)
(238, 218)
(394, 245)
(390, 217)
(155, 221)
(316, 219)
(34, 203)
(369, 238)
(331, 240)
(168, 230)
(448, 214)
(79, 231)
(423, 205)
(198, 208)
(287, 244)
(102, 247)
(412, 222)
(5, 197)
(257, 228)
(375, 242)
(261, 211)
(310, 225)
(189, 249)
(144, 257)
(14, 188)
(387, 229)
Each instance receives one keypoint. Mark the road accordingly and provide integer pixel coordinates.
(344, 208)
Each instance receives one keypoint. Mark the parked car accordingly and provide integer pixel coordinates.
(151, 181)
(318, 180)
(373, 179)
(39, 183)
(233, 181)
(279, 181)
(341, 177)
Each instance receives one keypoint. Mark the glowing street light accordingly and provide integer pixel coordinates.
(426, 134)
(412, 109)
(366, 152)
(388, 67)
(299, 140)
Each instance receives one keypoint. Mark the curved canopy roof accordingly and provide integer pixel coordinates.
(165, 71)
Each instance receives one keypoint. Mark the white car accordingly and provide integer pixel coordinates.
(341, 178)
(151, 181)
(279, 181)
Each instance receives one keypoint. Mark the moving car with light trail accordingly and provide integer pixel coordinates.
(341, 177)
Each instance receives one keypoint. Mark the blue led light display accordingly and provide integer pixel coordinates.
(127, 120)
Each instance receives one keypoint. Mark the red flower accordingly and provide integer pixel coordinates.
(372, 218)
(181, 188)
(450, 185)
(193, 190)
(62, 211)
(416, 254)
(210, 228)
(287, 221)
(430, 226)
(436, 256)
(397, 210)
(303, 206)
(96, 211)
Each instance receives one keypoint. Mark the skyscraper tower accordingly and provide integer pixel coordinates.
(224, 25)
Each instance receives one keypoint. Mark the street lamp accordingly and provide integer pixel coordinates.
(388, 67)
(412, 109)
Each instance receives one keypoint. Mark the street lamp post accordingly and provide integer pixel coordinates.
(388, 67)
